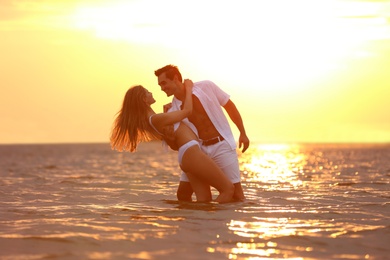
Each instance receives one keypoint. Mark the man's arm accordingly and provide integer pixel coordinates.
(235, 116)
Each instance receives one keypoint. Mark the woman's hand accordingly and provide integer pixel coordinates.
(166, 107)
(188, 84)
(187, 102)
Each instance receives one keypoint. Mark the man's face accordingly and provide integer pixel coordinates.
(167, 85)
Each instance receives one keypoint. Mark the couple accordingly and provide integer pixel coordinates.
(201, 133)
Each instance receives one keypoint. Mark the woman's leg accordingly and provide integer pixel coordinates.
(184, 191)
(227, 160)
(202, 189)
(199, 165)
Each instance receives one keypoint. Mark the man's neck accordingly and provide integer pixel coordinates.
(180, 94)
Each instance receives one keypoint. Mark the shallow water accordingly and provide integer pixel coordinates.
(84, 201)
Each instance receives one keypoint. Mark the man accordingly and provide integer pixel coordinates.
(211, 124)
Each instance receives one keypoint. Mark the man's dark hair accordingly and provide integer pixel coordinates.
(170, 72)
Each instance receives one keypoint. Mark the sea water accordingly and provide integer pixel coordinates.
(85, 201)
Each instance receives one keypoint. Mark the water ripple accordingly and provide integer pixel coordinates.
(87, 202)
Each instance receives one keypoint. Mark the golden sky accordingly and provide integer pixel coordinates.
(298, 71)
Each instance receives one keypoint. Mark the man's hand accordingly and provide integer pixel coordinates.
(243, 142)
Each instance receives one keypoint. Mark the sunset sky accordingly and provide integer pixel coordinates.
(298, 71)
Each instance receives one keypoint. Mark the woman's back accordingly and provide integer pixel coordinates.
(184, 134)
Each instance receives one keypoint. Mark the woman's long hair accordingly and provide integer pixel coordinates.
(131, 125)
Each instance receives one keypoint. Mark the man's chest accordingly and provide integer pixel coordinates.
(199, 115)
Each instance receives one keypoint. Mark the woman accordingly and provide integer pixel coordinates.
(137, 122)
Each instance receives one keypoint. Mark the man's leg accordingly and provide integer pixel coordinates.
(184, 192)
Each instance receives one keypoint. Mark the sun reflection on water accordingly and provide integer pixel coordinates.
(299, 195)
(270, 165)
(272, 168)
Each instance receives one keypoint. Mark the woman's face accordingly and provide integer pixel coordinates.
(149, 98)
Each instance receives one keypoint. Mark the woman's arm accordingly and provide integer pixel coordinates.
(164, 119)
(187, 104)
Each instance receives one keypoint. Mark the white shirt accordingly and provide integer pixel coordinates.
(213, 99)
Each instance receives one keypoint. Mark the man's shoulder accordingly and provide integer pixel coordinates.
(209, 88)
(204, 83)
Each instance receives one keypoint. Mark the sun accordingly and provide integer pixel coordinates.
(289, 43)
